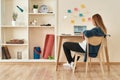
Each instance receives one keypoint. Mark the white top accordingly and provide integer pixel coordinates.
(83, 44)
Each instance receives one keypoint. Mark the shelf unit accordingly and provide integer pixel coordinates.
(33, 34)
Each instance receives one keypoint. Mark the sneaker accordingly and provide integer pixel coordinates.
(72, 65)
(67, 65)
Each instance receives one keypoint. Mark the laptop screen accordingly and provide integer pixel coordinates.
(79, 29)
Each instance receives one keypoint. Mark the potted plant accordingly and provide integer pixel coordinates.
(35, 8)
(14, 16)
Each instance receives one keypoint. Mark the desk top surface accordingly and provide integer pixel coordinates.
(70, 35)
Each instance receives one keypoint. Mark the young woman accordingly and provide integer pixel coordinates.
(98, 30)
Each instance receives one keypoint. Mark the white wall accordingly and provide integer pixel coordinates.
(0, 28)
(109, 10)
(9, 6)
(0, 12)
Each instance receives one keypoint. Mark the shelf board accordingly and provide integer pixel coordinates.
(10, 26)
(14, 44)
(41, 60)
(26, 60)
(13, 60)
(42, 26)
(41, 13)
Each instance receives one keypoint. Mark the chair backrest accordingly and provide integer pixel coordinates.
(94, 41)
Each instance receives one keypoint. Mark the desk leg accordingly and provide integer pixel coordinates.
(107, 56)
(59, 48)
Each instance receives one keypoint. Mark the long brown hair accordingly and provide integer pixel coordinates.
(99, 22)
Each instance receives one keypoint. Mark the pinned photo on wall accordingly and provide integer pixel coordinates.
(75, 9)
(83, 19)
(82, 6)
(72, 21)
(69, 11)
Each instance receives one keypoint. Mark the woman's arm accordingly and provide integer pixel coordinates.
(93, 32)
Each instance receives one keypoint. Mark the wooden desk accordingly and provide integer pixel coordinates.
(61, 37)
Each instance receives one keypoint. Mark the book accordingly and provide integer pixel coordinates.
(5, 53)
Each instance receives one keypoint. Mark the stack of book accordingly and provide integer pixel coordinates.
(5, 53)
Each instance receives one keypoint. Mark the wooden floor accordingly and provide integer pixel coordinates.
(43, 71)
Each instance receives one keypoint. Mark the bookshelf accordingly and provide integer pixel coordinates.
(33, 34)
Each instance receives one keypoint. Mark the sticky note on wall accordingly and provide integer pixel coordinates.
(89, 19)
(82, 6)
(81, 15)
(65, 17)
(69, 11)
(72, 21)
(83, 19)
(75, 9)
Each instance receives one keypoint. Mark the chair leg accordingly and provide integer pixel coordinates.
(90, 62)
(86, 67)
(101, 65)
(103, 57)
(75, 61)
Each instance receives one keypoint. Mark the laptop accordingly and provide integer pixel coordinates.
(78, 29)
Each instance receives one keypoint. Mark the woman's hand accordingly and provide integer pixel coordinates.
(83, 36)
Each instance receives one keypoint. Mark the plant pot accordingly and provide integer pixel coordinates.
(35, 10)
(13, 23)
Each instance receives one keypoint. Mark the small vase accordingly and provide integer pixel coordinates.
(35, 10)
(19, 55)
(13, 23)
